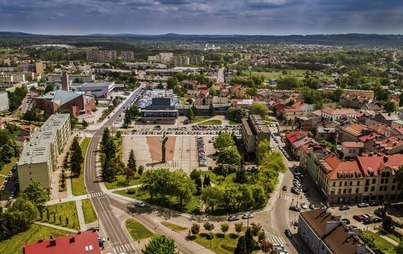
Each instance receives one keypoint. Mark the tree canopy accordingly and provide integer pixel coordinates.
(224, 140)
(160, 244)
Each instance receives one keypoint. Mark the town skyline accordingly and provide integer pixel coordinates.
(257, 17)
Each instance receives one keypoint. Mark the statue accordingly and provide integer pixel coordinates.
(164, 139)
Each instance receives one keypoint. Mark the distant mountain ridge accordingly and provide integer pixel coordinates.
(322, 39)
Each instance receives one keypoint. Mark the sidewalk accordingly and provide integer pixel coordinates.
(56, 227)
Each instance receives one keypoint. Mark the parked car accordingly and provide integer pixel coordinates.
(344, 207)
(358, 217)
(376, 220)
(379, 212)
(311, 206)
(303, 205)
(296, 191)
(374, 203)
(247, 216)
(347, 221)
(233, 218)
(295, 208)
(288, 233)
(139, 203)
(284, 188)
(362, 205)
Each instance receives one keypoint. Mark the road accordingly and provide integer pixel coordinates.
(220, 75)
(279, 222)
(120, 241)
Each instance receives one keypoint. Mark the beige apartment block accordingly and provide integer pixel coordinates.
(39, 157)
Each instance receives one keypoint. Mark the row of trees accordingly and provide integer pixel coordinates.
(15, 98)
(8, 147)
(130, 114)
(108, 158)
(76, 158)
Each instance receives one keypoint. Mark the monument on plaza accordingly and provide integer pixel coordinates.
(164, 139)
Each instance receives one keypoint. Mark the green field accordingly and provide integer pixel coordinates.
(77, 183)
(35, 233)
(88, 210)
(137, 231)
(7, 167)
(220, 244)
(62, 211)
(200, 118)
(121, 182)
(380, 243)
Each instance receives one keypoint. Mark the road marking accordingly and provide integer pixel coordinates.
(276, 239)
(286, 197)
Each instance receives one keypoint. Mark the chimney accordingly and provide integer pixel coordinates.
(65, 81)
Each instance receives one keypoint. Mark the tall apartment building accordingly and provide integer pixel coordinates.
(180, 60)
(196, 59)
(127, 55)
(38, 159)
(101, 55)
(39, 67)
(253, 131)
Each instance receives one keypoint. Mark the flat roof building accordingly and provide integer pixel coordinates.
(98, 89)
(160, 111)
(38, 159)
(253, 131)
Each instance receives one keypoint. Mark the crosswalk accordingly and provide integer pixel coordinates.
(97, 194)
(125, 248)
(286, 197)
(276, 239)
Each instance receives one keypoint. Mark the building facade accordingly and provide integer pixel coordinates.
(38, 159)
(101, 55)
(127, 55)
(160, 112)
(254, 130)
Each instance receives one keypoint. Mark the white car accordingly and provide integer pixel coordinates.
(140, 203)
(304, 206)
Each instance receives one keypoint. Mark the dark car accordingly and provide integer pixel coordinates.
(376, 220)
(288, 233)
(347, 221)
(344, 207)
(358, 217)
(296, 191)
(285, 188)
(374, 203)
(233, 218)
(311, 206)
(295, 208)
(379, 212)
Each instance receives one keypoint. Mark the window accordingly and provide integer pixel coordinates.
(373, 181)
(393, 187)
(394, 180)
(380, 188)
(334, 183)
(366, 189)
(387, 180)
(373, 188)
(345, 183)
(351, 183)
(339, 191)
(344, 191)
(358, 183)
(349, 191)
(367, 182)
(382, 180)
(385, 188)
(340, 183)
(357, 190)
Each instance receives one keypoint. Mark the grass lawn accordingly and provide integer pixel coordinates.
(88, 210)
(220, 244)
(394, 237)
(382, 244)
(7, 167)
(172, 226)
(210, 122)
(63, 211)
(36, 232)
(121, 182)
(217, 179)
(137, 231)
(233, 123)
(77, 183)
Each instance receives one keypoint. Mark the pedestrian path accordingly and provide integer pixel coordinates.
(286, 197)
(97, 194)
(276, 239)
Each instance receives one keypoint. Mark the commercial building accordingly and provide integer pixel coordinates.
(253, 131)
(38, 159)
(98, 89)
(39, 67)
(86, 242)
(160, 112)
(366, 178)
(325, 233)
(71, 102)
(57, 78)
(180, 60)
(101, 55)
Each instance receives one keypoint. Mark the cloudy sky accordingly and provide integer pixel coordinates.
(267, 17)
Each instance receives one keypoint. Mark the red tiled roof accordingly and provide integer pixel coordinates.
(334, 166)
(294, 136)
(344, 111)
(81, 243)
(368, 136)
(354, 129)
(353, 144)
(373, 162)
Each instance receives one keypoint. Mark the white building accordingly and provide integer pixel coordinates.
(4, 105)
